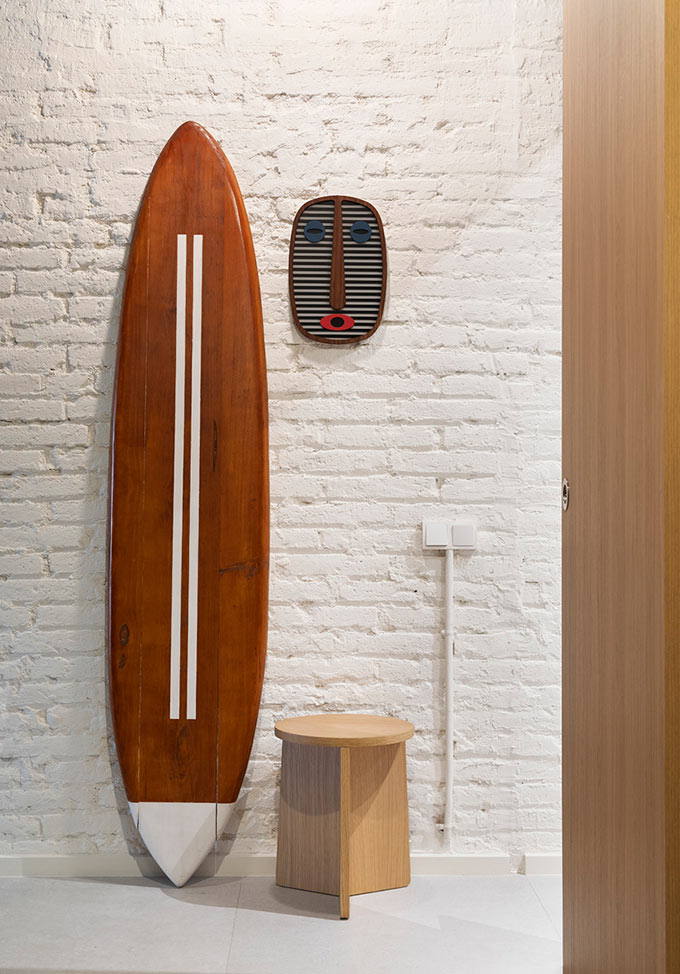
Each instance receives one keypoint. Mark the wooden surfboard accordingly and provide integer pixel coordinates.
(189, 530)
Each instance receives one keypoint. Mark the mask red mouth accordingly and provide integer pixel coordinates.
(336, 322)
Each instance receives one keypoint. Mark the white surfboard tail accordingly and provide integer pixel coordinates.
(179, 835)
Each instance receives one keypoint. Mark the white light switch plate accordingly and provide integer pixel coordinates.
(436, 534)
(464, 535)
(461, 535)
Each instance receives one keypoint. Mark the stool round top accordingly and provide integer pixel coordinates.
(344, 730)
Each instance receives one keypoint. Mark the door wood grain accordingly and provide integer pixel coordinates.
(621, 454)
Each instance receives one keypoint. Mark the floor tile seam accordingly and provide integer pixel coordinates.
(558, 933)
(233, 924)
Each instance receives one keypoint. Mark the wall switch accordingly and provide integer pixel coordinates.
(436, 534)
(461, 535)
(464, 535)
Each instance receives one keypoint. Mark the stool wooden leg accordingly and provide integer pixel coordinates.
(308, 855)
(345, 814)
(378, 821)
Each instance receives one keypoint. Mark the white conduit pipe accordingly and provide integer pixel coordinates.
(448, 650)
(449, 536)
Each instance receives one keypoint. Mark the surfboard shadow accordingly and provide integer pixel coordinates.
(131, 837)
(256, 893)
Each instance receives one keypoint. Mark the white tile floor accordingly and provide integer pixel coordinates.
(448, 924)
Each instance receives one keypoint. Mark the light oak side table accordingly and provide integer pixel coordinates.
(343, 817)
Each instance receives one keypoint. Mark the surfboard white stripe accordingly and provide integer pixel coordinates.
(178, 484)
(194, 477)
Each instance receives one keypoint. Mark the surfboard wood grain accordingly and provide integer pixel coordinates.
(189, 515)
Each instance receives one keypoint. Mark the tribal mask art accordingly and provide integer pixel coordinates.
(337, 270)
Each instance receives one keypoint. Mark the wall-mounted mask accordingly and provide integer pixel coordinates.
(337, 270)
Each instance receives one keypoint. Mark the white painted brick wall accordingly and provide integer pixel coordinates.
(446, 115)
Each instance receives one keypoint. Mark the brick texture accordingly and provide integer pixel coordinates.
(446, 115)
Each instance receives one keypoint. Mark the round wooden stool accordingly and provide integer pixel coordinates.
(343, 817)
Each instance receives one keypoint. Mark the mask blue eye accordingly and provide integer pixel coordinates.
(360, 231)
(315, 231)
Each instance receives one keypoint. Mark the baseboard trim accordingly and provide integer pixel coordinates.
(536, 864)
(120, 865)
(482, 864)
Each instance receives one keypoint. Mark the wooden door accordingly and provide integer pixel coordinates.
(614, 637)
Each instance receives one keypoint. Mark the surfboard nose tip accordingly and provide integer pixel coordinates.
(179, 835)
(191, 130)
(189, 126)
